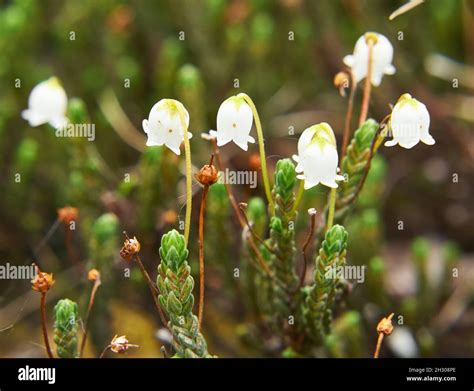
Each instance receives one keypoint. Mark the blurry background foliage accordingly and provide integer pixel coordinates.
(133, 50)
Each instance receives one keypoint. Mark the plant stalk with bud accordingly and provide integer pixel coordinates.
(42, 283)
(206, 176)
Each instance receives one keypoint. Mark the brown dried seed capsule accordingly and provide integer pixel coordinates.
(42, 282)
(385, 325)
(207, 175)
(130, 248)
(93, 275)
(67, 214)
(120, 344)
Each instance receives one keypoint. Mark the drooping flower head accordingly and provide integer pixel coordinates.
(47, 103)
(164, 126)
(409, 123)
(234, 122)
(382, 55)
(317, 156)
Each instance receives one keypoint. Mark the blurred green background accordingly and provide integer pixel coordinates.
(120, 57)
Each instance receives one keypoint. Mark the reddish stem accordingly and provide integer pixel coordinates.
(43, 323)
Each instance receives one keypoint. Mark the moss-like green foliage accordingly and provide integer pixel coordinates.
(282, 241)
(321, 295)
(176, 298)
(65, 328)
(354, 165)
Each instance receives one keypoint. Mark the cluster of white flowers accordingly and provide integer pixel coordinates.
(317, 158)
(164, 125)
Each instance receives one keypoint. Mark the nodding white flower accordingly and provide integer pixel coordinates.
(234, 122)
(382, 55)
(164, 126)
(47, 103)
(409, 123)
(317, 157)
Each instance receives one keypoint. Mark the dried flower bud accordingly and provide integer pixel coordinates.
(93, 275)
(130, 248)
(254, 162)
(342, 81)
(207, 175)
(120, 344)
(42, 281)
(67, 214)
(385, 325)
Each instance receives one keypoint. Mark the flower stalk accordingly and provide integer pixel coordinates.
(371, 40)
(207, 176)
(347, 121)
(189, 178)
(93, 275)
(42, 283)
(261, 147)
(332, 207)
(129, 251)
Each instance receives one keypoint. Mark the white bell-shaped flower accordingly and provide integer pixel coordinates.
(164, 126)
(234, 122)
(409, 123)
(317, 157)
(382, 55)
(47, 103)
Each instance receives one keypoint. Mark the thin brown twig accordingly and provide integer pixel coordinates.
(201, 254)
(154, 291)
(231, 197)
(207, 176)
(261, 261)
(96, 285)
(232, 200)
(43, 324)
(347, 123)
(105, 351)
(312, 213)
(379, 344)
(242, 206)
